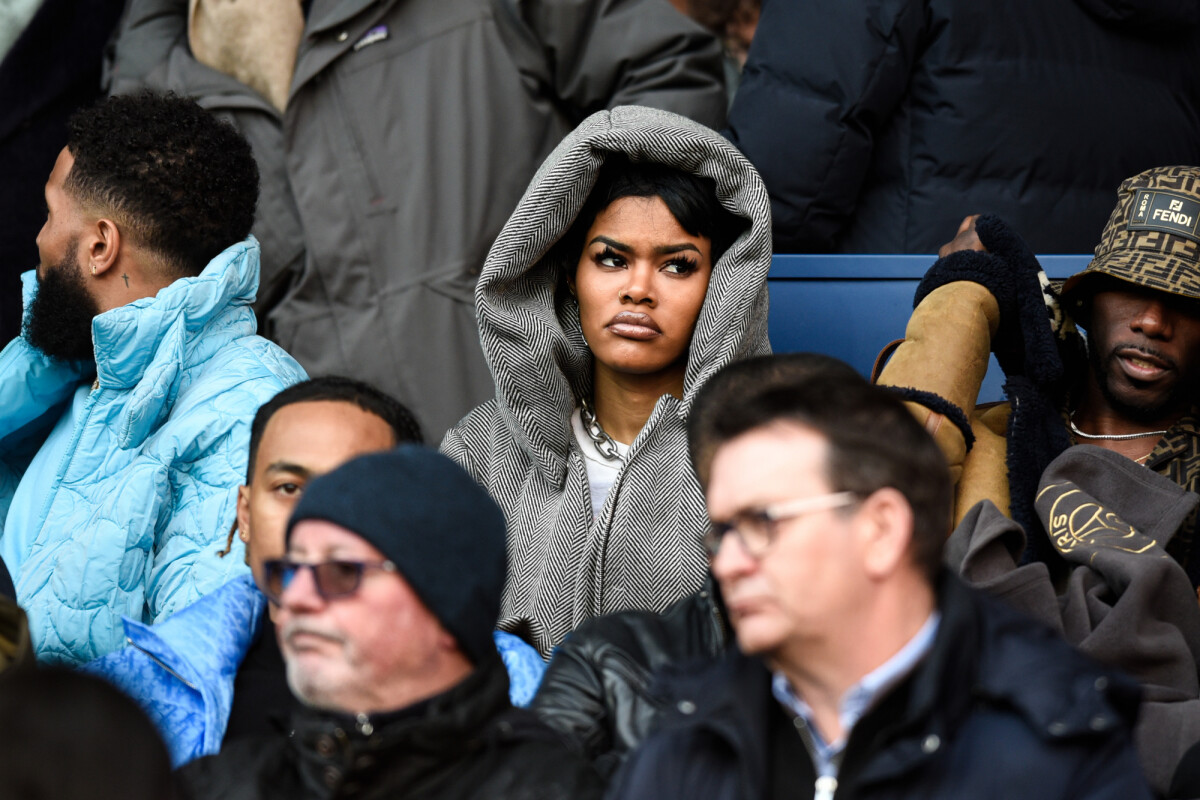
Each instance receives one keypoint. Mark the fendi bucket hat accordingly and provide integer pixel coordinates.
(1152, 237)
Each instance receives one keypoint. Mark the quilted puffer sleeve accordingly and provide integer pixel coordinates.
(195, 522)
(822, 78)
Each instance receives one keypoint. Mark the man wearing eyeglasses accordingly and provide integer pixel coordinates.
(388, 595)
(863, 667)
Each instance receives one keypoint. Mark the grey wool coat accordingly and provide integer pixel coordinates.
(644, 550)
(411, 129)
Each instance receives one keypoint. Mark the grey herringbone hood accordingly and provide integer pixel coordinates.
(522, 331)
(644, 551)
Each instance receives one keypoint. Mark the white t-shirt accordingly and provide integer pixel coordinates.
(601, 471)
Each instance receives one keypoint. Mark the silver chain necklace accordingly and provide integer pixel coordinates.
(604, 443)
(1113, 437)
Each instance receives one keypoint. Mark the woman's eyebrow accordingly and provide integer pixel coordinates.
(667, 249)
(613, 243)
(662, 250)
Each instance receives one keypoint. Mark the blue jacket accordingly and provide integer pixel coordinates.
(136, 511)
(182, 671)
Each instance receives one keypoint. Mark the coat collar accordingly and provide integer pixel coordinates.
(983, 653)
(402, 745)
(151, 333)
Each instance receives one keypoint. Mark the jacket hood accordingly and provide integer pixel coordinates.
(522, 329)
(1145, 16)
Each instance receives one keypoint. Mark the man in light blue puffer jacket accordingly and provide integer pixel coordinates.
(125, 405)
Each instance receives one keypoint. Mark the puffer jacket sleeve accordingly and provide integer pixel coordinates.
(31, 385)
(196, 519)
(822, 78)
(607, 53)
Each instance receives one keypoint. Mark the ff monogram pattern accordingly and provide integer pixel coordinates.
(1151, 238)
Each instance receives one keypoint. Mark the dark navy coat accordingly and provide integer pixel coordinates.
(1000, 708)
(878, 124)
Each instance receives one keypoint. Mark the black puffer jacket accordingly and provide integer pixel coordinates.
(598, 691)
(878, 124)
(1000, 708)
(465, 743)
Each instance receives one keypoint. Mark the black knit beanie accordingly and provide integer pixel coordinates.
(428, 516)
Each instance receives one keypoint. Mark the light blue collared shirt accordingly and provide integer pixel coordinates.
(858, 699)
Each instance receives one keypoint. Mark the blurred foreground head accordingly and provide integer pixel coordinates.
(70, 735)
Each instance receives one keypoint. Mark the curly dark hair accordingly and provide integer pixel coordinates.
(183, 183)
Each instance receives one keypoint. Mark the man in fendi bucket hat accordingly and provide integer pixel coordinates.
(1139, 300)
(1133, 388)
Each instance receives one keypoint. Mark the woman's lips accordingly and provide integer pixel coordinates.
(632, 325)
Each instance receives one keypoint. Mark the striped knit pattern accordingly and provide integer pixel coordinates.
(644, 551)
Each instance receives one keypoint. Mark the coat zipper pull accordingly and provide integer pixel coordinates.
(825, 787)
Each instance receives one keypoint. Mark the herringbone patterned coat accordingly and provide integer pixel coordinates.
(644, 550)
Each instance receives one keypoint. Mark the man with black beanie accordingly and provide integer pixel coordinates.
(387, 598)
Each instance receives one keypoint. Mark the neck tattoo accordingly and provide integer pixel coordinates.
(1112, 437)
(126, 277)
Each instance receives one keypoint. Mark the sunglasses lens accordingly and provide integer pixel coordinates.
(337, 578)
(277, 574)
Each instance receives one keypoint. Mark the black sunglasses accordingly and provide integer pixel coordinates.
(336, 578)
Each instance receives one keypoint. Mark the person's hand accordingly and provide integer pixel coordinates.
(967, 239)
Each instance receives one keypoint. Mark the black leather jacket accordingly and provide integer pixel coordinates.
(468, 742)
(599, 690)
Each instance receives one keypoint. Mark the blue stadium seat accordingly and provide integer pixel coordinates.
(851, 306)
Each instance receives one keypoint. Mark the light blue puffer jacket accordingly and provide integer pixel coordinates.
(182, 671)
(143, 500)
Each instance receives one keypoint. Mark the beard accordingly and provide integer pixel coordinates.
(60, 318)
(1147, 411)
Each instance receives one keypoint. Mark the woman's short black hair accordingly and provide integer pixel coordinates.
(691, 199)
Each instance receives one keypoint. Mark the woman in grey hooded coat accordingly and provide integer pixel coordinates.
(566, 380)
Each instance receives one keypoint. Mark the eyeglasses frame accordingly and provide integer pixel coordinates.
(772, 515)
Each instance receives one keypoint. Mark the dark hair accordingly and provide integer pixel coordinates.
(75, 735)
(691, 199)
(874, 442)
(180, 182)
(344, 390)
(740, 379)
